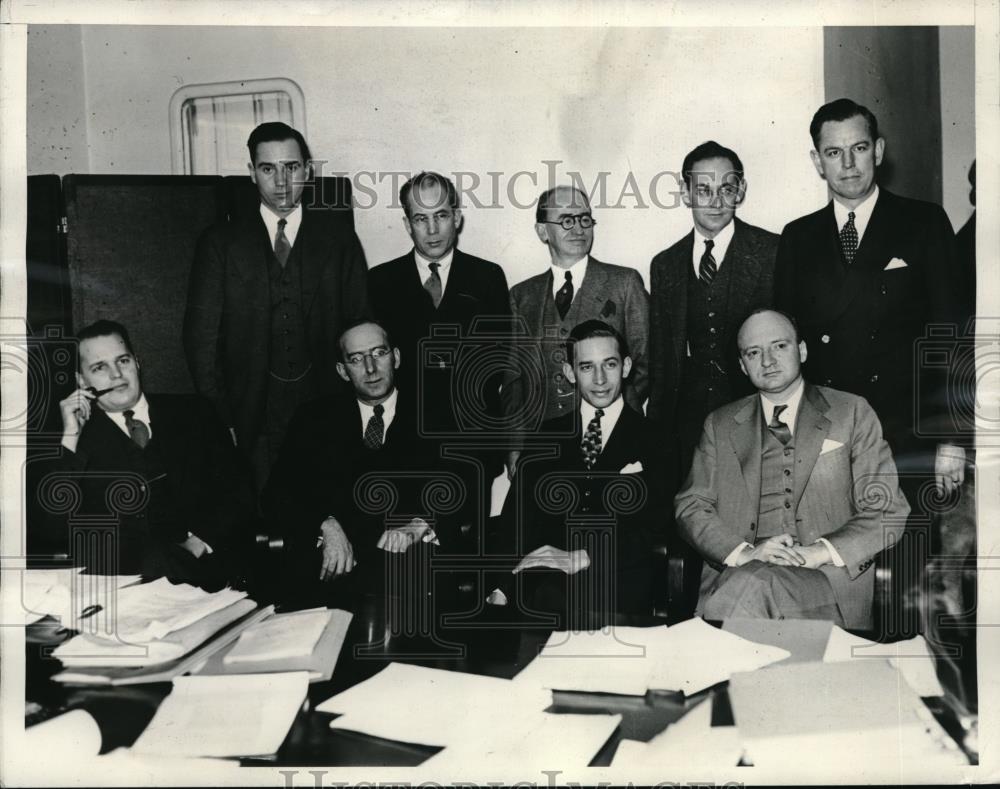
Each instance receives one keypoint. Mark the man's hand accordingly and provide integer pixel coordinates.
(399, 539)
(815, 555)
(949, 468)
(75, 410)
(512, 457)
(773, 550)
(569, 562)
(338, 555)
(195, 546)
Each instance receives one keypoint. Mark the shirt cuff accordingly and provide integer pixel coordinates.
(837, 559)
(730, 561)
(208, 548)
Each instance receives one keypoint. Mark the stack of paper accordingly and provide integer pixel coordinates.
(911, 657)
(283, 636)
(632, 660)
(65, 593)
(245, 715)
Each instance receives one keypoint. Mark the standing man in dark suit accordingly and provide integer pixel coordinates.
(269, 295)
(164, 461)
(575, 288)
(702, 289)
(434, 287)
(594, 511)
(867, 275)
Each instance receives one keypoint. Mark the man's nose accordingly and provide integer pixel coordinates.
(116, 371)
(280, 176)
(432, 224)
(849, 159)
(369, 363)
(599, 375)
(715, 200)
(767, 358)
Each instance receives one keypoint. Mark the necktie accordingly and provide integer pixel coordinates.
(707, 268)
(591, 446)
(564, 296)
(375, 429)
(136, 428)
(780, 430)
(282, 249)
(433, 284)
(849, 240)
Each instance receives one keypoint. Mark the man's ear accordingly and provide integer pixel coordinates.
(743, 367)
(542, 232)
(817, 163)
(803, 351)
(685, 194)
(395, 357)
(568, 372)
(741, 196)
(253, 172)
(342, 372)
(879, 150)
(626, 366)
(458, 219)
(79, 381)
(406, 224)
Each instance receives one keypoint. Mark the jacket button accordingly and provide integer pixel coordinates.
(874, 379)
(753, 527)
(559, 406)
(825, 339)
(788, 505)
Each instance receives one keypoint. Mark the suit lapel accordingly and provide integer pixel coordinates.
(460, 284)
(312, 246)
(620, 447)
(745, 269)
(677, 291)
(746, 441)
(811, 428)
(171, 431)
(253, 245)
(592, 294)
(871, 251)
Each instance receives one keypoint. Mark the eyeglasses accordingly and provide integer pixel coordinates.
(727, 192)
(358, 359)
(569, 222)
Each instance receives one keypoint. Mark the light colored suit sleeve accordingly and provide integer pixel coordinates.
(637, 335)
(695, 507)
(879, 506)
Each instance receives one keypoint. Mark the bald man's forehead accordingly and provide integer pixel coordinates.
(568, 197)
(772, 324)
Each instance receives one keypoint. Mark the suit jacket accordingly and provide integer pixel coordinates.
(613, 294)
(227, 321)
(552, 495)
(476, 289)
(865, 324)
(323, 459)
(193, 483)
(751, 254)
(848, 494)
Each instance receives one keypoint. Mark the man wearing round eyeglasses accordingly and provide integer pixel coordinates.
(576, 287)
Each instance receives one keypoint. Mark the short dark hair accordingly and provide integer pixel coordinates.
(841, 110)
(276, 131)
(546, 197)
(710, 150)
(104, 328)
(353, 324)
(759, 311)
(594, 328)
(426, 178)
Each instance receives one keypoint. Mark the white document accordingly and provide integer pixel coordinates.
(282, 636)
(239, 715)
(64, 593)
(432, 706)
(73, 735)
(911, 657)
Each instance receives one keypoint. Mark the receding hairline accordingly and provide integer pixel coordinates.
(784, 318)
(380, 327)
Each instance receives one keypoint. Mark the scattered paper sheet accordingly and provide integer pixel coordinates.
(283, 636)
(240, 715)
(911, 657)
(65, 592)
(432, 706)
(73, 735)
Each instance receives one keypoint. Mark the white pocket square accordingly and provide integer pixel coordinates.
(632, 468)
(895, 263)
(829, 445)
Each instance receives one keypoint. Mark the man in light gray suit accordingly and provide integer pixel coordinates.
(792, 492)
(575, 288)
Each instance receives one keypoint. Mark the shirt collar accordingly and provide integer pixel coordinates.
(444, 266)
(608, 421)
(789, 414)
(388, 412)
(140, 411)
(862, 213)
(719, 247)
(578, 270)
(292, 223)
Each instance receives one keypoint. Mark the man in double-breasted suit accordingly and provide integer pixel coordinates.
(268, 297)
(701, 289)
(792, 492)
(866, 276)
(576, 288)
(437, 290)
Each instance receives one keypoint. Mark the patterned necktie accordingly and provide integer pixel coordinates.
(136, 428)
(564, 296)
(433, 284)
(591, 446)
(707, 268)
(282, 249)
(780, 430)
(849, 240)
(375, 429)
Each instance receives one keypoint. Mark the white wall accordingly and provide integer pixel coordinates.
(479, 100)
(958, 121)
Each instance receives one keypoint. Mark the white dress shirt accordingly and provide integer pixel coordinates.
(862, 214)
(608, 421)
(140, 411)
(292, 223)
(444, 267)
(578, 270)
(388, 414)
(722, 239)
